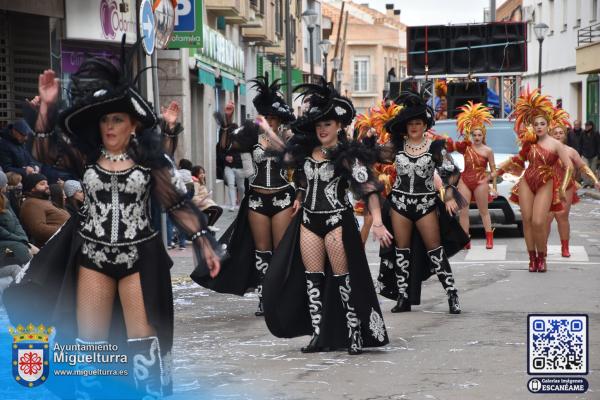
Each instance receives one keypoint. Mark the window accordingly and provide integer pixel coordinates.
(278, 14)
(594, 11)
(254, 4)
(293, 33)
(361, 74)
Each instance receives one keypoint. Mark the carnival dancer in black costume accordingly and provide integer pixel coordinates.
(105, 275)
(414, 202)
(321, 252)
(266, 211)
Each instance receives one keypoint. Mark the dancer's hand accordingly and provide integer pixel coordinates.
(48, 87)
(263, 124)
(212, 260)
(34, 103)
(170, 113)
(381, 234)
(451, 207)
(562, 195)
(296, 207)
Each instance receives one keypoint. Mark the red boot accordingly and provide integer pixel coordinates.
(532, 261)
(565, 248)
(541, 262)
(489, 240)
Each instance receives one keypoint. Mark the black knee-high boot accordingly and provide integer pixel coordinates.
(314, 288)
(262, 261)
(89, 386)
(441, 266)
(147, 366)
(352, 321)
(402, 271)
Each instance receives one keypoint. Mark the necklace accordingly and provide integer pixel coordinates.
(326, 150)
(114, 157)
(416, 148)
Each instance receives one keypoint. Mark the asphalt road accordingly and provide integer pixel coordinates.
(223, 351)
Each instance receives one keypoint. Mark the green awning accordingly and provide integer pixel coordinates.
(242, 89)
(205, 77)
(227, 84)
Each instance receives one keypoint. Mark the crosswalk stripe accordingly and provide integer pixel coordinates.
(480, 253)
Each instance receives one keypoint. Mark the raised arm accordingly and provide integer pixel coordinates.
(170, 128)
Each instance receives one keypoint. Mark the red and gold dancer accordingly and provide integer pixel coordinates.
(473, 184)
(539, 190)
(558, 130)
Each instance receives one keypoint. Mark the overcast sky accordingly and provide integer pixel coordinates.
(435, 12)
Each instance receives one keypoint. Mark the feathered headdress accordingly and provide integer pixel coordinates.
(441, 88)
(560, 118)
(473, 116)
(530, 105)
(376, 118)
(324, 102)
(269, 101)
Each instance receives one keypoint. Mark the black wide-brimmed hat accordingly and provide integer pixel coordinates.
(324, 103)
(414, 107)
(99, 88)
(269, 101)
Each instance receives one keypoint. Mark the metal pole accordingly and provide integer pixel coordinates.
(312, 63)
(540, 66)
(501, 96)
(325, 66)
(288, 55)
(156, 99)
(492, 10)
(337, 42)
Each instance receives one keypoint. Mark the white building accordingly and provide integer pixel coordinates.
(559, 77)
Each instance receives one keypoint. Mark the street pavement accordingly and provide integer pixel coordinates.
(223, 351)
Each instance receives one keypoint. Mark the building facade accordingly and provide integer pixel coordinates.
(372, 52)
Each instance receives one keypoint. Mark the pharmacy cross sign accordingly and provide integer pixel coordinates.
(147, 26)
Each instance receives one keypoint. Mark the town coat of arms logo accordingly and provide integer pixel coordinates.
(30, 354)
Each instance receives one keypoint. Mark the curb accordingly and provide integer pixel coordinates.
(594, 194)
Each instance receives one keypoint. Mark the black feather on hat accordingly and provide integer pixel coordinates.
(414, 106)
(99, 88)
(269, 101)
(324, 103)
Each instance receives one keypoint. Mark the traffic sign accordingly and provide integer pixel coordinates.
(147, 27)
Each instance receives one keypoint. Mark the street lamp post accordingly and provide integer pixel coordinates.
(310, 17)
(540, 31)
(325, 45)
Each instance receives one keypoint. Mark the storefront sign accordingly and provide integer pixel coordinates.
(101, 20)
(72, 57)
(221, 52)
(188, 25)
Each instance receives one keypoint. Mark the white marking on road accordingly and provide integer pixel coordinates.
(578, 253)
(477, 253)
(593, 240)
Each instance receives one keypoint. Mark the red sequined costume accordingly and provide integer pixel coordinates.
(475, 172)
(541, 169)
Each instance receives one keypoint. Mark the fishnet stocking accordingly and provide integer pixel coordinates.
(260, 225)
(312, 248)
(134, 310)
(335, 251)
(428, 226)
(95, 297)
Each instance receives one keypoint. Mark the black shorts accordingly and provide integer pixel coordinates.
(322, 224)
(272, 203)
(413, 207)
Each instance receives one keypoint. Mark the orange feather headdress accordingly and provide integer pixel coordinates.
(531, 104)
(560, 118)
(473, 116)
(376, 118)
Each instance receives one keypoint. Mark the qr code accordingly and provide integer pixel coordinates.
(557, 344)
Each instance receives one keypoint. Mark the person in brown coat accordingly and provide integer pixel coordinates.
(40, 218)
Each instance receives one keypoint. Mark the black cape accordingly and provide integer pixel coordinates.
(285, 300)
(453, 240)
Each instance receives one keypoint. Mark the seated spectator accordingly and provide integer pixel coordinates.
(74, 193)
(14, 155)
(185, 164)
(14, 191)
(14, 245)
(40, 218)
(202, 198)
(57, 195)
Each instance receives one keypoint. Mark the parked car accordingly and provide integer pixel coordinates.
(503, 141)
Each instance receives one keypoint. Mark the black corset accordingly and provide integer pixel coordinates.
(325, 192)
(117, 206)
(414, 175)
(268, 173)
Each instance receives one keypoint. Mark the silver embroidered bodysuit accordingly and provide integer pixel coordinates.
(325, 193)
(117, 214)
(268, 173)
(414, 174)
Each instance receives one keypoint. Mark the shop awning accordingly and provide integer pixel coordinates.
(206, 76)
(227, 83)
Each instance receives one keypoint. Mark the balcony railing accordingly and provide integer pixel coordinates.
(589, 34)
